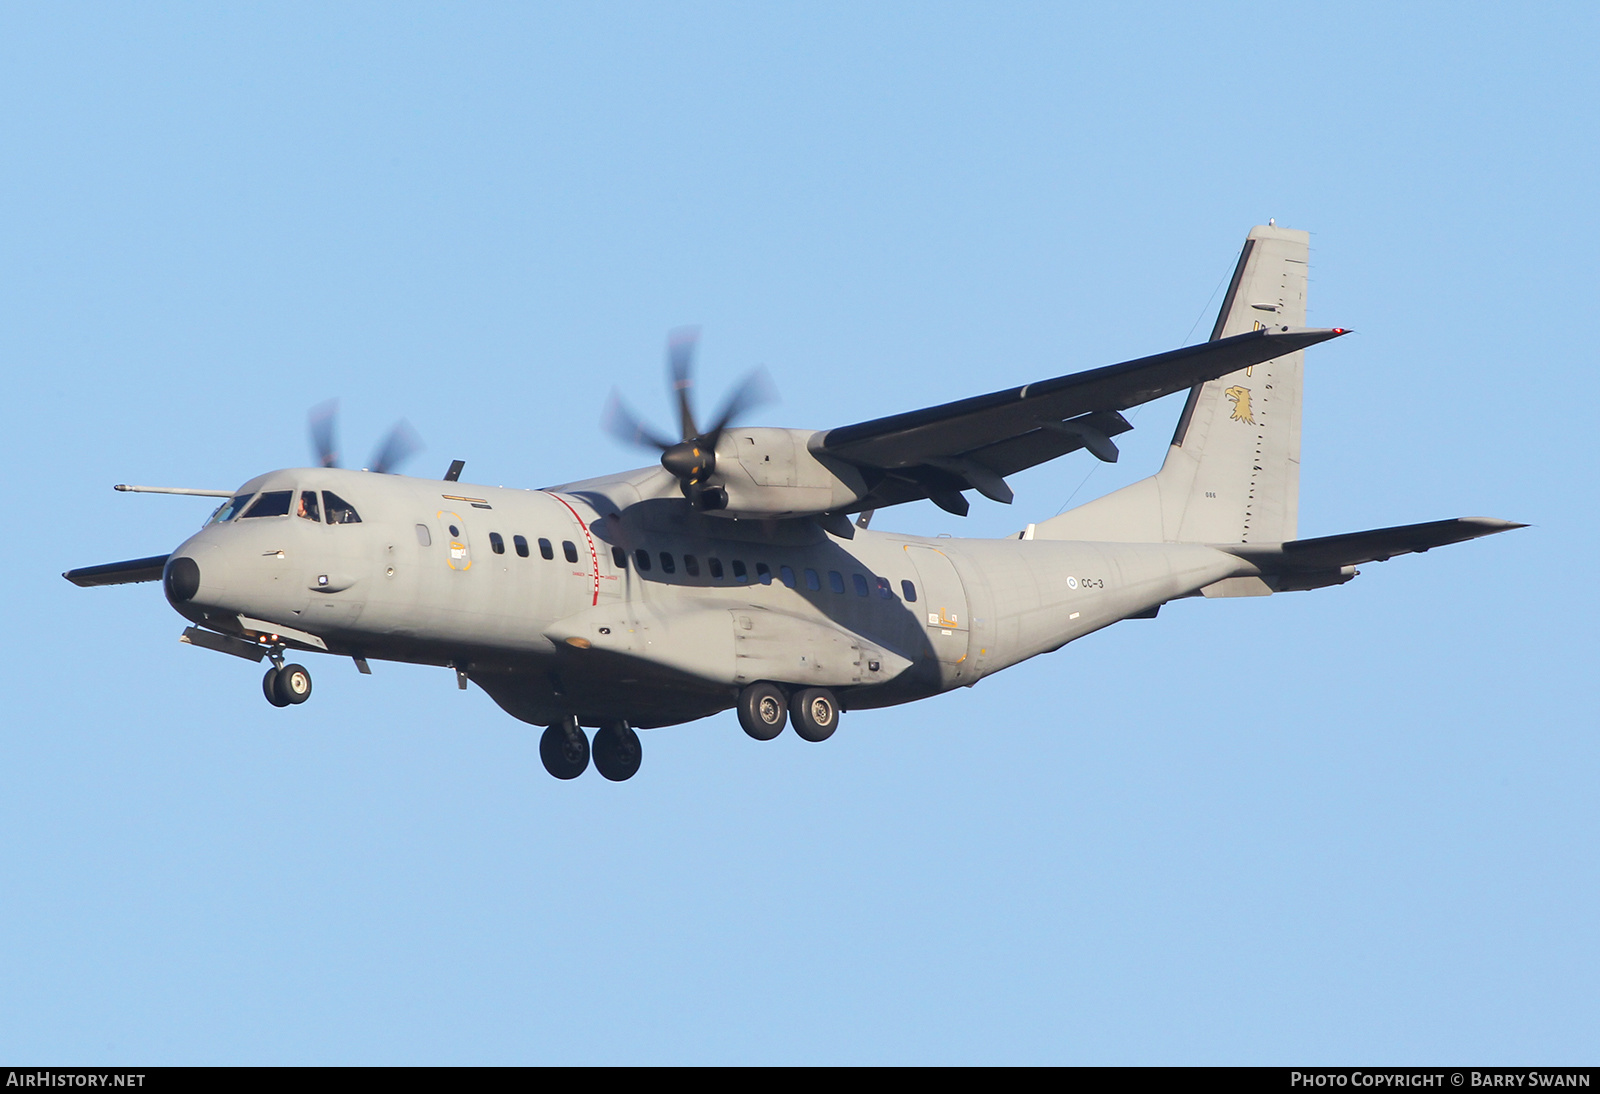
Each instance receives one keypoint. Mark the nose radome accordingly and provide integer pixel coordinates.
(182, 579)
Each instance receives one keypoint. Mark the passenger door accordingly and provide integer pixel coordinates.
(942, 604)
(452, 532)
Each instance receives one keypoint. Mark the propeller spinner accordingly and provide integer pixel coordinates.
(692, 460)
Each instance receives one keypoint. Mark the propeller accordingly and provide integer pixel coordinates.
(693, 460)
(401, 443)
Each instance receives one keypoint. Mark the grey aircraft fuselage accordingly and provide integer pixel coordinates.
(646, 610)
(731, 575)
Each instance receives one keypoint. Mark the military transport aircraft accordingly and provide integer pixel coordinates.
(732, 575)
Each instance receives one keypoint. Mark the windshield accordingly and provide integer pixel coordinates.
(230, 508)
(274, 503)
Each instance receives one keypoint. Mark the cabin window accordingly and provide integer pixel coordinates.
(569, 550)
(424, 537)
(691, 565)
(274, 503)
(496, 543)
(910, 590)
(230, 509)
(763, 573)
(667, 565)
(308, 507)
(641, 559)
(339, 511)
(715, 566)
(787, 575)
(619, 558)
(861, 584)
(521, 544)
(813, 582)
(884, 590)
(739, 572)
(836, 581)
(546, 551)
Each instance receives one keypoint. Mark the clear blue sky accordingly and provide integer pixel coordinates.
(1355, 825)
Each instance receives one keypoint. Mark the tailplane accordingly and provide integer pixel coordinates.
(1232, 473)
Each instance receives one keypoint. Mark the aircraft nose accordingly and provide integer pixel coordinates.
(181, 580)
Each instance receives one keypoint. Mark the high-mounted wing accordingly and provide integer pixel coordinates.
(974, 443)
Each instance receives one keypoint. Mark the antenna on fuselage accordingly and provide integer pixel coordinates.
(455, 470)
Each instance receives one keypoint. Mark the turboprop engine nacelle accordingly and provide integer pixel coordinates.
(774, 473)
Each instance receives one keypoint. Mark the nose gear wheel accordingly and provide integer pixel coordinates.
(564, 750)
(617, 753)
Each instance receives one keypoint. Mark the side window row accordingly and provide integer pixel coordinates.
(691, 566)
(569, 550)
(643, 562)
(497, 544)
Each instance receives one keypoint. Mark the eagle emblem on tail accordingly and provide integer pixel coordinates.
(1241, 404)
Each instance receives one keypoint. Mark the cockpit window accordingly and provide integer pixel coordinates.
(274, 503)
(308, 507)
(230, 508)
(339, 510)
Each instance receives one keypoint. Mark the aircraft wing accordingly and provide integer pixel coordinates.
(973, 443)
(119, 573)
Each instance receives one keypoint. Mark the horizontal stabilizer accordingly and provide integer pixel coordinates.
(119, 573)
(1354, 548)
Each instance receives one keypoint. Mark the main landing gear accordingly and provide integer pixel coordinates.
(565, 750)
(285, 685)
(763, 708)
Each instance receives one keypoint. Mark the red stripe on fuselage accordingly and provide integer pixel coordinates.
(594, 556)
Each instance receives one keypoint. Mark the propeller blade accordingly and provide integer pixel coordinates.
(323, 418)
(400, 445)
(680, 362)
(621, 423)
(756, 390)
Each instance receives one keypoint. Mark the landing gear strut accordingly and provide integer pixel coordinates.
(565, 750)
(617, 753)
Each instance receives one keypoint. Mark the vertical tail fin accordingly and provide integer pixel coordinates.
(1232, 473)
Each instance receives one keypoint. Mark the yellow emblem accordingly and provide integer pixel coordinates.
(1241, 404)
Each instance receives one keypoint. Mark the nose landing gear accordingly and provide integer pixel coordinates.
(285, 685)
(564, 750)
(617, 753)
